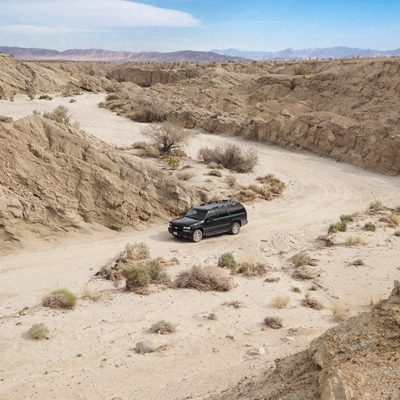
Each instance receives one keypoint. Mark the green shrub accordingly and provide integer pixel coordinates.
(155, 269)
(31, 94)
(227, 260)
(301, 259)
(163, 327)
(173, 162)
(338, 227)
(346, 218)
(136, 276)
(60, 298)
(39, 331)
(112, 97)
(375, 205)
(369, 226)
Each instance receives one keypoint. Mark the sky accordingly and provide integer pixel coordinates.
(202, 25)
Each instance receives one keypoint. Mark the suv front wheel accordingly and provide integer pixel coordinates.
(197, 235)
(235, 228)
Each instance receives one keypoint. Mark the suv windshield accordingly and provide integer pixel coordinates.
(196, 214)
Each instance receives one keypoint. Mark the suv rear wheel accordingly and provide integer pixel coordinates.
(235, 228)
(197, 235)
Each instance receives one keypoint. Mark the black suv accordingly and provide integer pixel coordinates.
(210, 219)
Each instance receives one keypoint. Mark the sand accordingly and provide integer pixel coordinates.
(90, 352)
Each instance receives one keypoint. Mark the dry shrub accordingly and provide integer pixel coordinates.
(204, 279)
(312, 302)
(88, 293)
(163, 327)
(227, 260)
(281, 300)
(185, 175)
(39, 331)
(45, 97)
(375, 205)
(339, 311)
(59, 114)
(248, 268)
(271, 183)
(273, 322)
(395, 219)
(231, 180)
(147, 151)
(215, 172)
(303, 273)
(272, 279)
(231, 156)
(253, 187)
(247, 195)
(300, 259)
(234, 304)
(136, 276)
(397, 233)
(60, 298)
(212, 165)
(357, 239)
(137, 252)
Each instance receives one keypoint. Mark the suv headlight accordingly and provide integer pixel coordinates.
(186, 227)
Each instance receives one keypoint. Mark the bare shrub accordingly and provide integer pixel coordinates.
(60, 298)
(215, 172)
(357, 239)
(302, 259)
(234, 304)
(45, 97)
(281, 300)
(303, 273)
(231, 156)
(339, 311)
(88, 293)
(273, 322)
(272, 183)
(272, 279)
(39, 331)
(249, 268)
(163, 327)
(203, 279)
(59, 114)
(312, 302)
(231, 180)
(167, 136)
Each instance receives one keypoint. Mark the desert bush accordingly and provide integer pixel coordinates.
(212, 165)
(338, 227)
(88, 293)
(302, 259)
(273, 322)
(231, 180)
(72, 101)
(4, 118)
(301, 70)
(163, 327)
(31, 94)
(375, 205)
(281, 300)
(355, 239)
(231, 156)
(139, 145)
(234, 304)
(346, 218)
(212, 317)
(137, 252)
(167, 136)
(112, 96)
(302, 273)
(296, 289)
(155, 269)
(12, 97)
(272, 279)
(395, 219)
(250, 268)
(397, 233)
(70, 90)
(136, 276)
(369, 226)
(36, 112)
(185, 175)
(178, 153)
(59, 114)
(59, 298)
(311, 302)
(247, 195)
(173, 162)
(148, 151)
(339, 311)
(274, 184)
(45, 97)
(227, 260)
(39, 331)
(203, 279)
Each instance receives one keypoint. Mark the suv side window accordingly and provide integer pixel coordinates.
(212, 214)
(237, 209)
(222, 212)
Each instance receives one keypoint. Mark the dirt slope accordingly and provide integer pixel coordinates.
(55, 179)
(358, 360)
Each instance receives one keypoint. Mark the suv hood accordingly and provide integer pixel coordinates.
(185, 221)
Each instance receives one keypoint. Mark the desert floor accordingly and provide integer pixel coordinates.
(90, 353)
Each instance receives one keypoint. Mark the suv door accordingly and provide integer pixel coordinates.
(211, 223)
(224, 220)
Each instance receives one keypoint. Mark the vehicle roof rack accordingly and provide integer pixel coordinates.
(220, 203)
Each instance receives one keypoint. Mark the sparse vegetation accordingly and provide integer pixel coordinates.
(163, 327)
(45, 97)
(231, 156)
(203, 279)
(185, 175)
(338, 227)
(112, 96)
(59, 114)
(212, 317)
(136, 276)
(250, 268)
(39, 331)
(300, 259)
(296, 289)
(31, 94)
(88, 293)
(356, 239)
(4, 118)
(272, 279)
(231, 180)
(227, 260)
(311, 302)
(375, 205)
(302, 273)
(339, 311)
(167, 136)
(301, 70)
(234, 304)
(369, 226)
(395, 218)
(346, 218)
(281, 300)
(60, 298)
(273, 322)
(215, 172)
(173, 162)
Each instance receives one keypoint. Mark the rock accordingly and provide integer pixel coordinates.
(256, 351)
(146, 346)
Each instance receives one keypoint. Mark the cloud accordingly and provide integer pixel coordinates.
(41, 30)
(90, 14)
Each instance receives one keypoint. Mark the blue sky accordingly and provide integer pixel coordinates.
(161, 25)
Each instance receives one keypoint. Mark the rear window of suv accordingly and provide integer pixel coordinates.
(237, 209)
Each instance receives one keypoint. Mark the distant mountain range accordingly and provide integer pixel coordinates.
(304, 54)
(119, 57)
